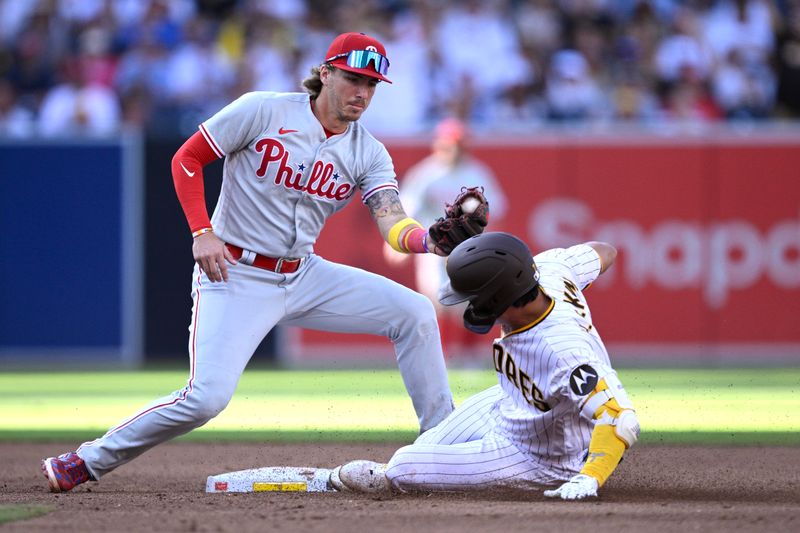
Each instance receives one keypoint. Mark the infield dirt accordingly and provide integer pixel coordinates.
(656, 488)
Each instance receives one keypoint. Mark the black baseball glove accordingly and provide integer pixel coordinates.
(465, 217)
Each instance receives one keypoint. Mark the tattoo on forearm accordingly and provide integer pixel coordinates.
(384, 204)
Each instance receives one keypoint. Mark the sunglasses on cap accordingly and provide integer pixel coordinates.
(362, 58)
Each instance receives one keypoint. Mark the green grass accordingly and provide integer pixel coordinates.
(13, 512)
(674, 406)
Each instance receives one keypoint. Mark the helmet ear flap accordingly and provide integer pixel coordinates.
(476, 322)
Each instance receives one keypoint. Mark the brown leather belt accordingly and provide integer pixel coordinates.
(281, 265)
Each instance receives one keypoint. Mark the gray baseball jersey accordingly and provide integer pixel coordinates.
(528, 429)
(283, 177)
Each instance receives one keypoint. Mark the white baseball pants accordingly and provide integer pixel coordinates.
(465, 453)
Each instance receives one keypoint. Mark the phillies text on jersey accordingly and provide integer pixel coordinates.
(283, 176)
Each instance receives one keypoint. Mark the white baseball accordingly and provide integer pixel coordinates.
(470, 204)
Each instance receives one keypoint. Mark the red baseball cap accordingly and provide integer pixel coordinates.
(369, 58)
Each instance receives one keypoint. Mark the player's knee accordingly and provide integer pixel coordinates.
(418, 312)
(208, 402)
(410, 302)
(213, 406)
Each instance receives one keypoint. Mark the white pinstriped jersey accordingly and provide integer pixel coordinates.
(283, 177)
(547, 368)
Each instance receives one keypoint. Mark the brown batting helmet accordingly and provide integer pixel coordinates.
(491, 271)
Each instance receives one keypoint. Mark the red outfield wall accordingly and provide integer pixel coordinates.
(708, 233)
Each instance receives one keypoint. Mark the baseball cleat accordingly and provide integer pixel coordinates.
(360, 476)
(65, 472)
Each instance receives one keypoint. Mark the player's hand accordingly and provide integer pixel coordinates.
(466, 217)
(579, 487)
(211, 253)
(433, 247)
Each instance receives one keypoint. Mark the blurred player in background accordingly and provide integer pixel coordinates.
(291, 161)
(427, 186)
(559, 414)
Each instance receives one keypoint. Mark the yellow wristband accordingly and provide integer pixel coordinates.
(394, 234)
(202, 231)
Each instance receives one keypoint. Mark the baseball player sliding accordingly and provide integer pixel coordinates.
(291, 161)
(559, 414)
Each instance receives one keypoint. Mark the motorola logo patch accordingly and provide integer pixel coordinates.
(583, 380)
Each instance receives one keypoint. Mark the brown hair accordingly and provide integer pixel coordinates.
(313, 83)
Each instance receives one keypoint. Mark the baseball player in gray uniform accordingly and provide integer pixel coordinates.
(559, 414)
(291, 161)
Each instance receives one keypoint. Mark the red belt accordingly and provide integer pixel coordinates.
(280, 265)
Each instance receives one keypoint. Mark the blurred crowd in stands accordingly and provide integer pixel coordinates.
(92, 66)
